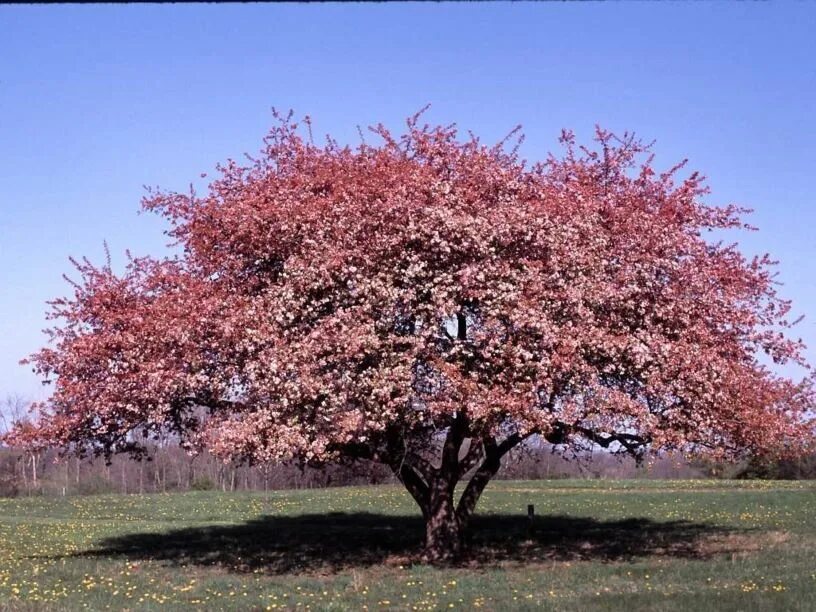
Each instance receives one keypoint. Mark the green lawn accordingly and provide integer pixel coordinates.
(595, 545)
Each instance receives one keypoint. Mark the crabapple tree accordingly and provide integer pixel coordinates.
(429, 302)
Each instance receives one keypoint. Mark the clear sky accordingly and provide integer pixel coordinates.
(97, 101)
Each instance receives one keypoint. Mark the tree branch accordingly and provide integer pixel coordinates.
(633, 444)
(475, 453)
(493, 452)
(449, 466)
(416, 486)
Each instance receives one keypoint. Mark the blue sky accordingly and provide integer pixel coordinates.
(97, 101)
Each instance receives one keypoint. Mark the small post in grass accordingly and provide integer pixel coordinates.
(530, 516)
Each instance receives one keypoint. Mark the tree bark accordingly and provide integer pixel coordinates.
(34, 468)
(443, 531)
(477, 483)
(433, 489)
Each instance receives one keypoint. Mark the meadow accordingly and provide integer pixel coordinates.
(593, 545)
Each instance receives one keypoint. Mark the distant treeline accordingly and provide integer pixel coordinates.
(171, 468)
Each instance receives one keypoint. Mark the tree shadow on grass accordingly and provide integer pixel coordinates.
(338, 541)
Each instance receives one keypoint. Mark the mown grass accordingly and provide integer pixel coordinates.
(595, 545)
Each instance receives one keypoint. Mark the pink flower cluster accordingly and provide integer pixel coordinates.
(330, 296)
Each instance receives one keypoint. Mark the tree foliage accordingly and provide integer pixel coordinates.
(429, 302)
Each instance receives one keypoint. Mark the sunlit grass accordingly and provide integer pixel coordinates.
(754, 549)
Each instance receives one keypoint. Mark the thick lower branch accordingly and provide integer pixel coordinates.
(493, 454)
(478, 482)
(416, 486)
(474, 455)
(414, 472)
(631, 443)
(449, 467)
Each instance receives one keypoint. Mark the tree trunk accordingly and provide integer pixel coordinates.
(446, 521)
(34, 469)
(22, 460)
(443, 531)
(444, 536)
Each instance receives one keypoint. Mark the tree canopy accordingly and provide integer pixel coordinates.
(429, 301)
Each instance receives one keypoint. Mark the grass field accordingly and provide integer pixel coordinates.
(595, 545)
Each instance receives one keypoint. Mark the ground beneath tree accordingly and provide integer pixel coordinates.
(595, 545)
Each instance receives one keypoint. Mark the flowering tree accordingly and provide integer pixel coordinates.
(429, 302)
